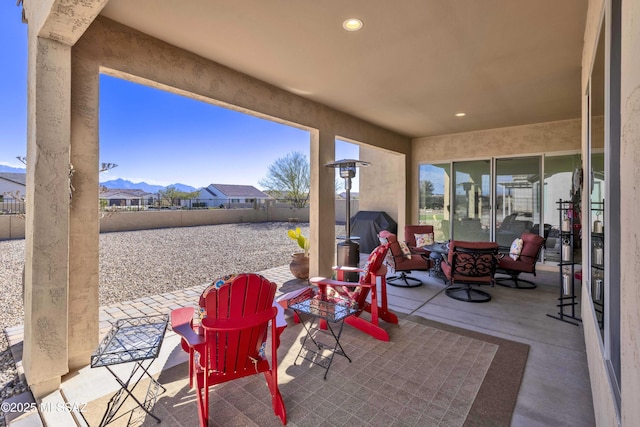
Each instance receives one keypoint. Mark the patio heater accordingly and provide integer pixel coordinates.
(348, 251)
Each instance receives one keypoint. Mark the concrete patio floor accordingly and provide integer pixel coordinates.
(555, 389)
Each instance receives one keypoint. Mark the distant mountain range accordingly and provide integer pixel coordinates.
(118, 183)
(149, 188)
(9, 169)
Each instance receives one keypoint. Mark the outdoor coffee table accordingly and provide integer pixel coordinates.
(136, 340)
(321, 310)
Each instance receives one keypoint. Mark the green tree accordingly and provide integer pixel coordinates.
(426, 194)
(291, 177)
(173, 196)
(426, 187)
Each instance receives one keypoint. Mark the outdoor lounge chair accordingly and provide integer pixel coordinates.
(410, 233)
(470, 264)
(374, 271)
(231, 340)
(404, 263)
(524, 262)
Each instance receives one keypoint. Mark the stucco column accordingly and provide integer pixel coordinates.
(47, 241)
(383, 185)
(629, 207)
(84, 223)
(322, 214)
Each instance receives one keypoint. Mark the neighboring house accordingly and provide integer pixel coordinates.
(278, 195)
(343, 195)
(127, 197)
(13, 184)
(13, 189)
(230, 195)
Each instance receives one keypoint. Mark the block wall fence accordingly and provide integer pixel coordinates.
(12, 226)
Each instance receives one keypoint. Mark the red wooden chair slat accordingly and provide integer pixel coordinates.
(236, 353)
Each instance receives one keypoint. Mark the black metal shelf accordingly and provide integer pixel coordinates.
(567, 300)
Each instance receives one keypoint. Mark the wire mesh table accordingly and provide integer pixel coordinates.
(320, 308)
(136, 340)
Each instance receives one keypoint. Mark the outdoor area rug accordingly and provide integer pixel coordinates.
(429, 374)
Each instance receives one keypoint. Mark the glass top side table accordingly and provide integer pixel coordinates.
(136, 340)
(319, 308)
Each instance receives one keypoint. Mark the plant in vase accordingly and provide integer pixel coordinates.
(299, 261)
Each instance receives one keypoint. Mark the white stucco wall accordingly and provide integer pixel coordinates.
(384, 185)
(630, 206)
(601, 383)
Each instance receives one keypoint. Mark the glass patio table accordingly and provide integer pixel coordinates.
(322, 310)
(136, 340)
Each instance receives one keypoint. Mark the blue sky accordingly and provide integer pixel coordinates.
(152, 135)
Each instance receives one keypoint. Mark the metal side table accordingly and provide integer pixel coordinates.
(136, 340)
(322, 310)
(437, 251)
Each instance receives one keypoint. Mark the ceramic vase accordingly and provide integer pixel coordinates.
(299, 266)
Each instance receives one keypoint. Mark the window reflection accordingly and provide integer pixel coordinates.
(558, 179)
(517, 198)
(596, 179)
(518, 195)
(434, 183)
(472, 204)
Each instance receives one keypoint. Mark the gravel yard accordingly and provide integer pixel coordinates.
(135, 264)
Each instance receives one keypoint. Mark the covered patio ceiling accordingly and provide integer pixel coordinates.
(411, 68)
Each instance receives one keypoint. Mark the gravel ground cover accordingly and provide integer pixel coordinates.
(135, 264)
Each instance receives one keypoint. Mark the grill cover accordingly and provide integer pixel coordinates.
(367, 225)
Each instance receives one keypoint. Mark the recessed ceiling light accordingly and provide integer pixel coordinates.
(352, 24)
(461, 114)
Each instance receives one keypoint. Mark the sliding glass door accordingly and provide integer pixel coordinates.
(499, 199)
(471, 207)
(558, 184)
(517, 198)
(434, 203)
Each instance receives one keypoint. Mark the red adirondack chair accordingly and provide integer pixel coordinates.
(232, 338)
(358, 292)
